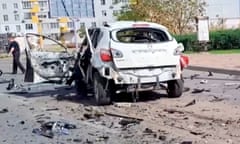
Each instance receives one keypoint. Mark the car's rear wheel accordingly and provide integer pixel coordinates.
(103, 92)
(175, 88)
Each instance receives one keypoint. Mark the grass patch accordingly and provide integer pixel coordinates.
(3, 55)
(231, 51)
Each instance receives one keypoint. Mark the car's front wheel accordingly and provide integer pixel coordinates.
(175, 88)
(103, 91)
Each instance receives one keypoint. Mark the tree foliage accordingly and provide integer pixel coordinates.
(177, 15)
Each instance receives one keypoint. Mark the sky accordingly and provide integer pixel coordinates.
(75, 8)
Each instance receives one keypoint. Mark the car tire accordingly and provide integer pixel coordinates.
(175, 88)
(103, 96)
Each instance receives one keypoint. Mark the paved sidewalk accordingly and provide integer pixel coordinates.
(221, 63)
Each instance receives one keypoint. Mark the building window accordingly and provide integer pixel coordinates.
(15, 5)
(94, 24)
(29, 26)
(27, 15)
(104, 13)
(43, 4)
(115, 12)
(26, 5)
(103, 2)
(70, 24)
(82, 25)
(5, 17)
(4, 6)
(16, 17)
(18, 28)
(7, 29)
(54, 25)
(42, 16)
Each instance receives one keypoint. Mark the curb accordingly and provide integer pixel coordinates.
(215, 70)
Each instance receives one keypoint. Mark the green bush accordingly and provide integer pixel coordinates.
(219, 40)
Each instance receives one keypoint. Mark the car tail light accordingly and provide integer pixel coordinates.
(179, 49)
(116, 53)
(184, 61)
(105, 55)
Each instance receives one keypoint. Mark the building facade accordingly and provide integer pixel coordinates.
(16, 15)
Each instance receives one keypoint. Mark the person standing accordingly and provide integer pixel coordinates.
(14, 50)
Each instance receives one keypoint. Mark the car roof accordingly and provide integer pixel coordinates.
(131, 24)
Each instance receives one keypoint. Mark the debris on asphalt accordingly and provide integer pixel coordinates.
(22, 122)
(193, 102)
(197, 90)
(123, 105)
(210, 73)
(93, 115)
(77, 140)
(102, 138)
(125, 122)
(52, 128)
(186, 89)
(4, 110)
(187, 142)
(216, 99)
(162, 137)
(197, 132)
(52, 109)
(203, 81)
(1, 72)
(194, 76)
(122, 116)
(172, 111)
(10, 84)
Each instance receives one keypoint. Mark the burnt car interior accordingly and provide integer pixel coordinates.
(47, 59)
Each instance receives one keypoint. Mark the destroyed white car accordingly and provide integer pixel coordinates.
(130, 57)
(47, 60)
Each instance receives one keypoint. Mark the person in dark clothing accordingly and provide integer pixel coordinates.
(14, 49)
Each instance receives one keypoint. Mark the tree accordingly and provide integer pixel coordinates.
(177, 15)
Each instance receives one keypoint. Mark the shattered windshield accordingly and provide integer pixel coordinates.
(141, 35)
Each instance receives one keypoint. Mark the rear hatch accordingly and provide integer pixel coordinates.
(143, 47)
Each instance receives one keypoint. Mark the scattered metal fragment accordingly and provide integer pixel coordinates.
(50, 129)
(197, 132)
(203, 81)
(93, 115)
(122, 116)
(196, 90)
(52, 109)
(4, 110)
(210, 73)
(193, 102)
(102, 138)
(217, 99)
(194, 76)
(125, 122)
(10, 84)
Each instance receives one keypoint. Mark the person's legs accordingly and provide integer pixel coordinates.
(14, 71)
(19, 64)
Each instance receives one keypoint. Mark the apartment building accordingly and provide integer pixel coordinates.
(11, 16)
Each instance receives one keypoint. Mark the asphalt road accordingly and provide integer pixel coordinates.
(208, 112)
